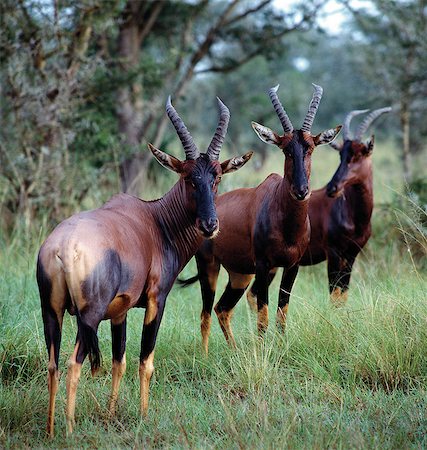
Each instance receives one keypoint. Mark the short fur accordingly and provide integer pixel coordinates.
(261, 228)
(340, 218)
(98, 264)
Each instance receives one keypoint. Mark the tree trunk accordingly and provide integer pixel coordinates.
(130, 109)
(197, 56)
(405, 124)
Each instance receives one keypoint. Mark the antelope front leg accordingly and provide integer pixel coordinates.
(288, 279)
(152, 319)
(262, 298)
(224, 308)
(339, 273)
(252, 292)
(208, 276)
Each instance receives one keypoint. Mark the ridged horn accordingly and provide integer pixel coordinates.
(347, 120)
(367, 121)
(190, 148)
(221, 130)
(312, 109)
(280, 111)
(335, 145)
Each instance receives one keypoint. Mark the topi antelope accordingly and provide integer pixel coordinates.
(262, 227)
(340, 216)
(98, 264)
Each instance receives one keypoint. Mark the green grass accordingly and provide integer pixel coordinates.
(346, 378)
(353, 377)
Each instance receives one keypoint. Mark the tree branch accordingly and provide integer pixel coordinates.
(80, 41)
(247, 13)
(259, 50)
(149, 23)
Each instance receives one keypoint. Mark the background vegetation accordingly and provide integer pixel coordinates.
(83, 87)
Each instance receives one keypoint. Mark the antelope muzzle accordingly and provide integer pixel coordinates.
(209, 227)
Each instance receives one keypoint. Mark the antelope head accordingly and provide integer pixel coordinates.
(201, 172)
(355, 161)
(297, 145)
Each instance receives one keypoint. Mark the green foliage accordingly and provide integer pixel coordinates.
(417, 190)
(63, 73)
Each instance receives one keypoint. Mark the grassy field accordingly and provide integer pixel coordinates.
(353, 377)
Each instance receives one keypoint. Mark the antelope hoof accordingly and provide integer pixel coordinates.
(339, 297)
(143, 412)
(71, 423)
(252, 301)
(112, 408)
(232, 343)
(281, 318)
(50, 431)
(262, 320)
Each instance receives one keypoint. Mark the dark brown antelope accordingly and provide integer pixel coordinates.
(262, 227)
(98, 264)
(340, 216)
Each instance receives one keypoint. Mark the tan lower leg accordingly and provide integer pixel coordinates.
(339, 297)
(117, 371)
(52, 382)
(146, 369)
(252, 300)
(281, 317)
(205, 327)
(263, 319)
(224, 318)
(73, 376)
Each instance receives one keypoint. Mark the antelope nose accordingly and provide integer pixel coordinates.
(209, 226)
(331, 189)
(302, 192)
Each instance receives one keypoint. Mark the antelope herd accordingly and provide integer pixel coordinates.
(128, 253)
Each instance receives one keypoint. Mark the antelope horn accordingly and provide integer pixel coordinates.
(347, 120)
(312, 109)
(335, 145)
(367, 121)
(190, 148)
(221, 130)
(280, 111)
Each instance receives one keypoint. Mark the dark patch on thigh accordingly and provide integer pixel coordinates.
(44, 283)
(118, 340)
(262, 228)
(171, 264)
(109, 277)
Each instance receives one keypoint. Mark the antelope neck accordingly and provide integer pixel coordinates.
(177, 223)
(359, 198)
(293, 212)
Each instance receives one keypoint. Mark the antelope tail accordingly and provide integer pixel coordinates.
(89, 340)
(188, 281)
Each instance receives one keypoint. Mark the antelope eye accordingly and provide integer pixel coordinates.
(189, 180)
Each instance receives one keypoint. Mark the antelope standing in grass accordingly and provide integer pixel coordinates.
(340, 216)
(98, 264)
(262, 227)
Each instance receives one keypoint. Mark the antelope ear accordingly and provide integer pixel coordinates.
(370, 146)
(233, 164)
(168, 161)
(326, 137)
(265, 134)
